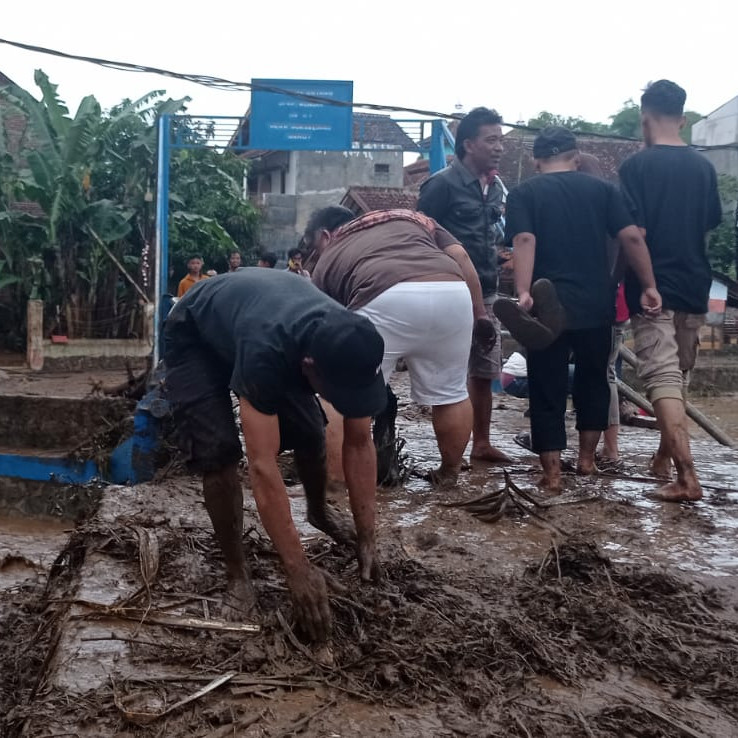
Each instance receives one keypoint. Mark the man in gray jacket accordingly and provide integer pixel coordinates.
(467, 199)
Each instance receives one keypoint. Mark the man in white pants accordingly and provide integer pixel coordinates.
(417, 285)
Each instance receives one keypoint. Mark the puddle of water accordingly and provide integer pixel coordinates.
(28, 547)
(698, 538)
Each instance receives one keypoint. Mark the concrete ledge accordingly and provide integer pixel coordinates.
(82, 354)
(58, 422)
(96, 347)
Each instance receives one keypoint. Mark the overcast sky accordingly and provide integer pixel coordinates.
(581, 58)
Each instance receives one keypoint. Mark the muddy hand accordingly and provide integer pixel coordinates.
(369, 568)
(333, 523)
(485, 332)
(310, 603)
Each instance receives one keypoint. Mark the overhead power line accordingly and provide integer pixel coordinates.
(219, 83)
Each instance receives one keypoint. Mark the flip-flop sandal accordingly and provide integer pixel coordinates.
(610, 466)
(523, 440)
(546, 306)
(523, 327)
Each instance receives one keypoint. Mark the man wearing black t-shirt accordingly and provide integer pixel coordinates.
(673, 195)
(275, 341)
(559, 225)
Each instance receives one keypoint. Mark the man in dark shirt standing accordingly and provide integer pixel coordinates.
(275, 341)
(674, 198)
(559, 223)
(466, 199)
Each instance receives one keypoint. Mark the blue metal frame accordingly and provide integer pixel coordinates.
(162, 229)
(440, 135)
(133, 460)
(64, 471)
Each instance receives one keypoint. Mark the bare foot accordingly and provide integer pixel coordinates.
(239, 601)
(679, 492)
(586, 469)
(487, 452)
(442, 477)
(660, 466)
(333, 523)
(551, 483)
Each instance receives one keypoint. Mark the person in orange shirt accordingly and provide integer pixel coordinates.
(194, 275)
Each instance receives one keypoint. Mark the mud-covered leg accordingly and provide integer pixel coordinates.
(311, 467)
(384, 433)
(224, 503)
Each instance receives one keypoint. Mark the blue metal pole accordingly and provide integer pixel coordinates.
(437, 156)
(162, 228)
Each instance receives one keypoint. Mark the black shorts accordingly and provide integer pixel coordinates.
(197, 388)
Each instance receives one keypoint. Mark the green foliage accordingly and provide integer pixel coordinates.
(722, 245)
(544, 118)
(209, 214)
(691, 118)
(93, 177)
(627, 121)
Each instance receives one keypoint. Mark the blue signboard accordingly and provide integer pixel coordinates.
(284, 122)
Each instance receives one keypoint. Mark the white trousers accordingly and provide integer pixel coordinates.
(429, 324)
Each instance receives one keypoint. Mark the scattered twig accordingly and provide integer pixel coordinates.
(522, 727)
(680, 726)
(584, 724)
(303, 722)
(237, 726)
(294, 640)
(144, 718)
(716, 635)
(163, 618)
(556, 552)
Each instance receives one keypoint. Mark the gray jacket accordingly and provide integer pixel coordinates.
(455, 199)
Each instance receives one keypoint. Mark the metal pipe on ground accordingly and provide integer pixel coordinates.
(692, 412)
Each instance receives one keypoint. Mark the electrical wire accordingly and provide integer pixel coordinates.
(219, 83)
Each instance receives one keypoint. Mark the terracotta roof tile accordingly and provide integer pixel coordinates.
(369, 131)
(364, 199)
(517, 159)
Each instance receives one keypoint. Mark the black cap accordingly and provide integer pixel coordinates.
(552, 141)
(348, 351)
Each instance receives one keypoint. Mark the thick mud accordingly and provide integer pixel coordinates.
(598, 613)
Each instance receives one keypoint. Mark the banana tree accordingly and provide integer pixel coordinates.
(57, 165)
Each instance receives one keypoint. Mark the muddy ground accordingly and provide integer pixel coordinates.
(598, 613)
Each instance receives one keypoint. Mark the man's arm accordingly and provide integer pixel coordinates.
(639, 260)
(458, 253)
(524, 254)
(306, 583)
(484, 329)
(360, 470)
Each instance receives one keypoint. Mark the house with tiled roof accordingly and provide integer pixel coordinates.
(289, 185)
(17, 136)
(517, 163)
(716, 135)
(362, 200)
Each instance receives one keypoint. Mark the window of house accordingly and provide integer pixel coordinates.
(381, 171)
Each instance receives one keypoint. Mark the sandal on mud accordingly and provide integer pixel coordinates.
(524, 328)
(610, 466)
(523, 440)
(546, 306)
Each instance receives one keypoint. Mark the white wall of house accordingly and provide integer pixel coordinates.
(719, 128)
